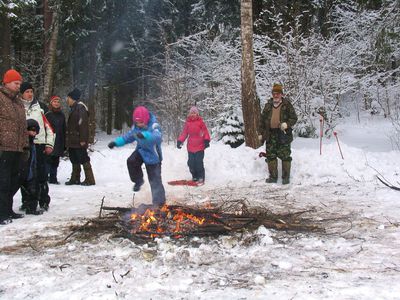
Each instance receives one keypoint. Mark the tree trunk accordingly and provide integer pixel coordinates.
(92, 86)
(110, 92)
(5, 43)
(50, 49)
(250, 102)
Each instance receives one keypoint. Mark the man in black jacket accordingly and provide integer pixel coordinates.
(77, 138)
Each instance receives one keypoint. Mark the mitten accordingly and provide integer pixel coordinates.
(48, 150)
(206, 143)
(284, 126)
(179, 144)
(111, 145)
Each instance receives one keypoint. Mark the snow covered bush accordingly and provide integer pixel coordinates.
(230, 129)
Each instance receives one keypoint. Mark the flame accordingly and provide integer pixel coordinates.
(165, 220)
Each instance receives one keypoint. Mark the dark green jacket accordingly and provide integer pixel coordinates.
(288, 115)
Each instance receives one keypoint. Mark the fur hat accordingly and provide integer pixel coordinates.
(25, 86)
(32, 124)
(277, 88)
(11, 75)
(194, 110)
(141, 114)
(75, 94)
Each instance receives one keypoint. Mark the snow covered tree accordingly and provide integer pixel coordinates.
(230, 129)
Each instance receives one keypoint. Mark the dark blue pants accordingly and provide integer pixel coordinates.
(9, 180)
(43, 191)
(196, 165)
(52, 164)
(134, 163)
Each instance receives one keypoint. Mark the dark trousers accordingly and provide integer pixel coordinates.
(29, 193)
(28, 183)
(41, 173)
(196, 165)
(78, 156)
(52, 164)
(134, 163)
(9, 180)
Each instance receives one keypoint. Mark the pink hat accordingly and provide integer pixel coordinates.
(141, 114)
(194, 110)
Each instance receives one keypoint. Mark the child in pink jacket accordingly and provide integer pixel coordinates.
(198, 139)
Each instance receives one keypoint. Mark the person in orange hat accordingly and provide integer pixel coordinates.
(13, 140)
(57, 120)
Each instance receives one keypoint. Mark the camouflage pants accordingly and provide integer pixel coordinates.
(277, 150)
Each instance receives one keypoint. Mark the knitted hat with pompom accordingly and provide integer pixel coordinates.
(141, 115)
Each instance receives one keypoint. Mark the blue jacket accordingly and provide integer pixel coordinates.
(149, 147)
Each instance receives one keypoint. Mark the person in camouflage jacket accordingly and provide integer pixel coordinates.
(277, 120)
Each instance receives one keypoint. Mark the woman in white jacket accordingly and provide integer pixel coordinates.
(44, 142)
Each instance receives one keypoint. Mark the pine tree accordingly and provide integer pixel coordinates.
(231, 129)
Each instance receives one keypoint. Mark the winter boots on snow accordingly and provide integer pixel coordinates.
(273, 172)
(76, 175)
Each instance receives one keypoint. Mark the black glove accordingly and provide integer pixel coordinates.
(140, 135)
(179, 144)
(206, 143)
(111, 145)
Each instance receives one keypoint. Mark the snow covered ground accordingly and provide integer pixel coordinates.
(357, 258)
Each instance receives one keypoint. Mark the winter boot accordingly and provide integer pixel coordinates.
(138, 185)
(286, 172)
(273, 171)
(89, 177)
(53, 175)
(75, 175)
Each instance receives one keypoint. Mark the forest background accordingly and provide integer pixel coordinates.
(334, 58)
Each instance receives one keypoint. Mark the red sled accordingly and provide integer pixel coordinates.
(184, 182)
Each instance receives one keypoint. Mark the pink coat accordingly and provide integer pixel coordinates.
(197, 131)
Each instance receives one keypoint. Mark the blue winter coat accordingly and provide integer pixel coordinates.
(149, 147)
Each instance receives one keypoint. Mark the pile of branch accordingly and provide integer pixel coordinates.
(226, 218)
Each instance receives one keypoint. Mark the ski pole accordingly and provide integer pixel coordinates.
(337, 140)
(321, 132)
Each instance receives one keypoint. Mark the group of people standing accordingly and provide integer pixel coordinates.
(31, 163)
(33, 137)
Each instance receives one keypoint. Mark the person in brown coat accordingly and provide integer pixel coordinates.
(77, 139)
(13, 140)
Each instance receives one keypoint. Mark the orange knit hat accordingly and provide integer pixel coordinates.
(11, 75)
